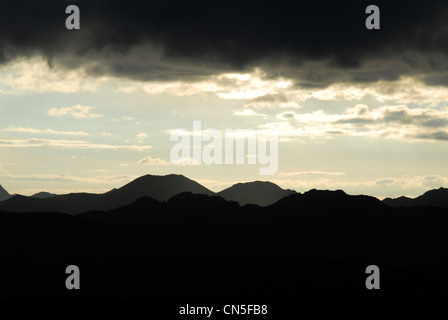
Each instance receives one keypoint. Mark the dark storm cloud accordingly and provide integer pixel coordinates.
(316, 43)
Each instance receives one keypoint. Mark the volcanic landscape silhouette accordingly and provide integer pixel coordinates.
(168, 237)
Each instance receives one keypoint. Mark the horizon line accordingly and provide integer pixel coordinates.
(215, 192)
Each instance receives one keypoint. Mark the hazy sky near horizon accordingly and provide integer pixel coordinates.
(91, 109)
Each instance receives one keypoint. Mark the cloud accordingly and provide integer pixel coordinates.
(271, 101)
(259, 91)
(257, 88)
(311, 173)
(124, 165)
(77, 112)
(248, 113)
(179, 88)
(69, 178)
(411, 182)
(67, 144)
(154, 161)
(177, 40)
(3, 170)
(160, 162)
(393, 122)
(35, 75)
(234, 133)
(437, 135)
(404, 90)
(142, 135)
(408, 185)
(185, 162)
(239, 86)
(385, 181)
(49, 131)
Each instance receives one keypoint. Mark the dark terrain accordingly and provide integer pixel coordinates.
(194, 246)
(160, 188)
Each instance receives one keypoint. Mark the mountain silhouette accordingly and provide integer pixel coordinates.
(181, 207)
(324, 208)
(43, 195)
(262, 193)
(163, 188)
(326, 199)
(435, 198)
(159, 188)
(20, 203)
(143, 209)
(4, 194)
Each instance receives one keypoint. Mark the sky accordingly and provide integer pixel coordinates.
(89, 110)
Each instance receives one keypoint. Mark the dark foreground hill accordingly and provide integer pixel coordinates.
(262, 193)
(20, 203)
(436, 198)
(312, 245)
